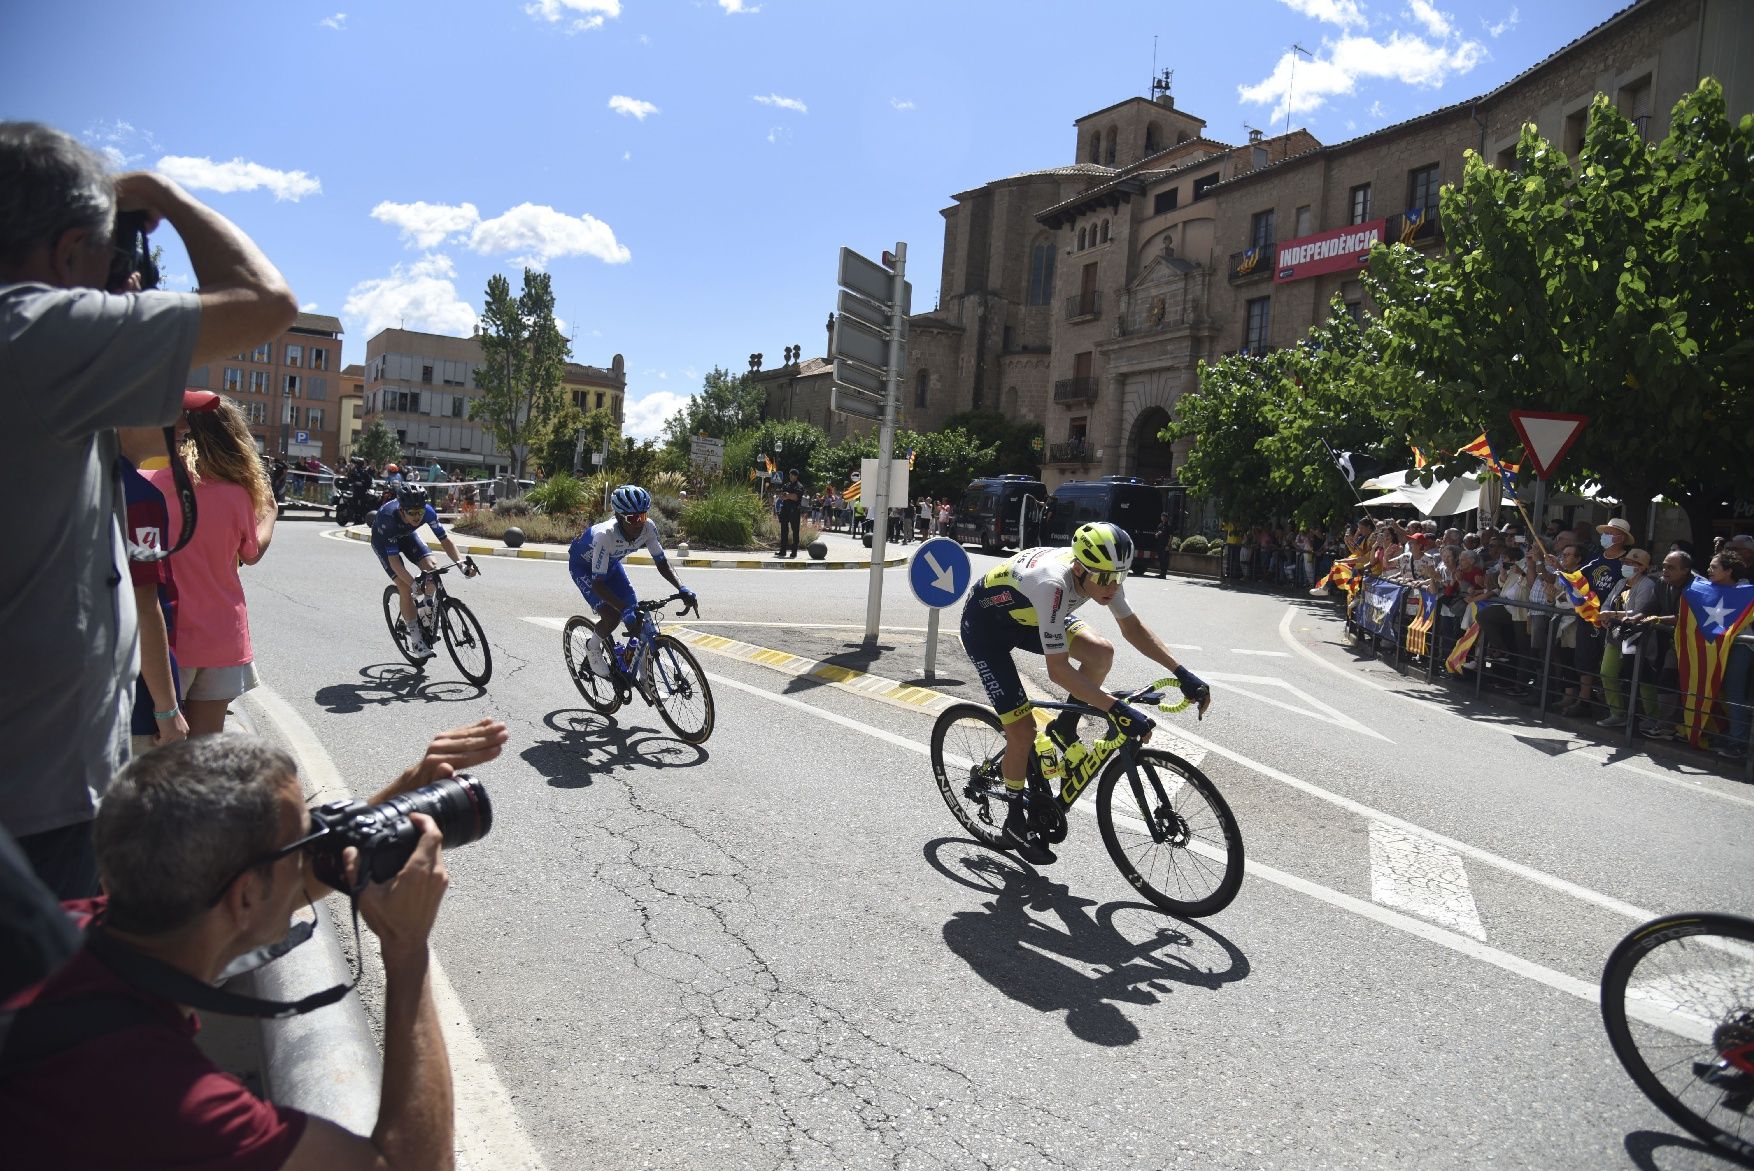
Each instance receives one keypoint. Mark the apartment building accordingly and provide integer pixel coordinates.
(288, 389)
(351, 408)
(593, 388)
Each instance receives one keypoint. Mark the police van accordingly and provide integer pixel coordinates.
(988, 513)
(1123, 500)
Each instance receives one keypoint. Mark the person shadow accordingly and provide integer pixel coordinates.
(1083, 962)
(1642, 1147)
(386, 683)
(587, 744)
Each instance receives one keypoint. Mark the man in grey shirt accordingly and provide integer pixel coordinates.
(82, 352)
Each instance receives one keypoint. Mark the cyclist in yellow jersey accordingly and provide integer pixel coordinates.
(1027, 603)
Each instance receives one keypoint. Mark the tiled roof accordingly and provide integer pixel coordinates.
(317, 323)
(1133, 180)
(1076, 170)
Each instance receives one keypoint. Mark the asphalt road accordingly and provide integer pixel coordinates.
(776, 950)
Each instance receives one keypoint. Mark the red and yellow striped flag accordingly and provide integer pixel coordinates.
(1582, 597)
(1457, 657)
(1418, 637)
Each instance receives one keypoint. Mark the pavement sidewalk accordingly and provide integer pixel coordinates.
(844, 552)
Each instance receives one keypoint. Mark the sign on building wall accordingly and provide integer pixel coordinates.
(1339, 250)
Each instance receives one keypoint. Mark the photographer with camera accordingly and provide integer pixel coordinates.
(83, 350)
(206, 850)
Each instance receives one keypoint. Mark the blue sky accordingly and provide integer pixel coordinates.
(686, 169)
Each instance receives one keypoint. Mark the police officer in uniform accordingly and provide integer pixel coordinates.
(791, 510)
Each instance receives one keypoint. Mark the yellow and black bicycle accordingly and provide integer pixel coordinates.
(1164, 822)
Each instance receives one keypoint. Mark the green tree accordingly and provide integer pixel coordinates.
(634, 461)
(1231, 416)
(377, 444)
(523, 357)
(945, 461)
(792, 443)
(1619, 288)
(725, 405)
(558, 443)
(1014, 442)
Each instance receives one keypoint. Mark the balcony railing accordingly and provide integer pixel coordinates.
(1084, 305)
(1075, 390)
(1418, 226)
(1251, 264)
(1077, 451)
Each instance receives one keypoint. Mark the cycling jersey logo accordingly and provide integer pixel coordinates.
(1059, 594)
(147, 537)
(1001, 598)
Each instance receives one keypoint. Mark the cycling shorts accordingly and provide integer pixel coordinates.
(990, 637)
(614, 579)
(411, 547)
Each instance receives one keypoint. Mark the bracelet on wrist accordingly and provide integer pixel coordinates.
(170, 715)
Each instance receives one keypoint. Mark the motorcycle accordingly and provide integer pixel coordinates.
(351, 506)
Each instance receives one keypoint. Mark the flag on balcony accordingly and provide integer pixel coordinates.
(1705, 632)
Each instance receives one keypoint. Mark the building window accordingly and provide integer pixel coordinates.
(1261, 229)
(1360, 203)
(315, 417)
(295, 355)
(1203, 184)
(426, 375)
(1261, 157)
(316, 388)
(1422, 187)
(319, 358)
(1164, 201)
(1080, 239)
(1259, 319)
(1109, 154)
(258, 382)
(1151, 146)
(290, 414)
(1041, 273)
(1633, 101)
(922, 384)
(233, 379)
(1105, 231)
(1355, 310)
(263, 353)
(258, 412)
(599, 401)
(457, 402)
(1305, 222)
(1078, 430)
(290, 385)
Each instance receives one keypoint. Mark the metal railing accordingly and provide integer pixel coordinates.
(1075, 390)
(1251, 264)
(1082, 305)
(1416, 226)
(1077, 451)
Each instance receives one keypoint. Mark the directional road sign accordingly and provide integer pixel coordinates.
(939, 572)
(851, 374)
(869, 279)
(853, 402)
(858, 341)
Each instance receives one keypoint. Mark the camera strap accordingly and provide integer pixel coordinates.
(185, 497)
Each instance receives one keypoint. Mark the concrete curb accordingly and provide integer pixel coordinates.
(475, 548)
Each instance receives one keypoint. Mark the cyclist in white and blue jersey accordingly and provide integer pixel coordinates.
(595, 563)
(395, 535)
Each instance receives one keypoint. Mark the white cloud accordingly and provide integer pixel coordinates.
(1410, 60)
(644, 40)
(901, 104)
(627, 156)
(113, 138)
(308, 307)
(781, 103)
(414, 296)
(537, 234)
(580, 15)
(631, 107)
(690, 373)
(1497, 30)
(645, 416)
(778, 134)
(1377, 111)
(238, 175)
(1345, 13)
(733, 7)
(338, 22)
(425, 225)
(1436, 23)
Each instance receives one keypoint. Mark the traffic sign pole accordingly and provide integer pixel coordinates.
(886, 447)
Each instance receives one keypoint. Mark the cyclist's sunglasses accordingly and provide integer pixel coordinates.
(1104, 577)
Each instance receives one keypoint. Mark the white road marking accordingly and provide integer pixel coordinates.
(808, 625)
(1411, 872)
(1323, 712)
(1263, 654)
(1584, 749)
(488, 1131)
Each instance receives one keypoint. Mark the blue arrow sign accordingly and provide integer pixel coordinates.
(939, 572)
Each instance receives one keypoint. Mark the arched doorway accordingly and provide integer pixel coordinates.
(1153, 458)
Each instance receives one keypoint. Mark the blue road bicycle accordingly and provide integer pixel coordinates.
(660, 670)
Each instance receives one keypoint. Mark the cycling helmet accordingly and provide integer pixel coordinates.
(1102, 547)
(630, 499)
(411, 497)
(391, 468)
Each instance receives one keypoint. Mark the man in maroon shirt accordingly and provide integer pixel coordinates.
(200, 845)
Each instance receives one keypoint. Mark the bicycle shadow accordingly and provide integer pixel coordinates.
(1642, 1147)
(387, 683)
(589, 744)
(1021, 954)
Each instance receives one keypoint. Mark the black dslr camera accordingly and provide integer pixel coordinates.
(385, 835)
(133, 253)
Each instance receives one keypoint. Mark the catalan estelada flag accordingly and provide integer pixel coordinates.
(1705, 631)
(1464, 644)
(1582, 597)
(852, 493)
(1418, 636)
(1482, 447)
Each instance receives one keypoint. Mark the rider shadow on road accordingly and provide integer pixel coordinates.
(589, 744)
(1014, 951)
(392, 683)
(1642, 1147)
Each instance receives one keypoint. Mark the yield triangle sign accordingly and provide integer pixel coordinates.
(1547, 436)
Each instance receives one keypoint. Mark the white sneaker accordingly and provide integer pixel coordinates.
(596, 658)
(417, 646)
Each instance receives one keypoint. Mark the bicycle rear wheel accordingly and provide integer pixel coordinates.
(967, 743)
(466, 641)
(1170, 832)
(677, 687)
(1678, 1004)
(599, 692)
(398, 631)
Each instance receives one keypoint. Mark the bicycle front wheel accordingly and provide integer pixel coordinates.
(398, 630)
(677, 687)
(466, 641)
(1170, 832)
(968, 742)
(1678, 1004)
(598, 691)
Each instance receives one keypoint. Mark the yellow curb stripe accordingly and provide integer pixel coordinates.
(913, 698)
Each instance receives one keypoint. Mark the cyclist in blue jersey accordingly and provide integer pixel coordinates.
(595, 563)
(395, 536)
(1026, 604)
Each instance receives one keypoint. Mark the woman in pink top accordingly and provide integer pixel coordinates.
(234, 521)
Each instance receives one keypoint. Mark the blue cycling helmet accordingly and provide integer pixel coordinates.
(630, 499)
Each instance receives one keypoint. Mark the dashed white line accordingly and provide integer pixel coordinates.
(1412, 872)
(1262, 654)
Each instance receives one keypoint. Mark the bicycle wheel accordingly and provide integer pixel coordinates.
(674, 684)
(1678, 1003)
(466, 641)
(967, 743)
(599, 692)
(398, 632)
(1170, 832)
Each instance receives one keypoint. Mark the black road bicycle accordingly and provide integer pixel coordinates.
(1164, 822)
(662, 671)
(442, 617)
(1678, 1003)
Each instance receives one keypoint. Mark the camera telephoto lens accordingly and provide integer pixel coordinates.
(459, 805)
(385, 835)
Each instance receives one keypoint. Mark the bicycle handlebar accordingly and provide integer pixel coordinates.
(655, 604)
